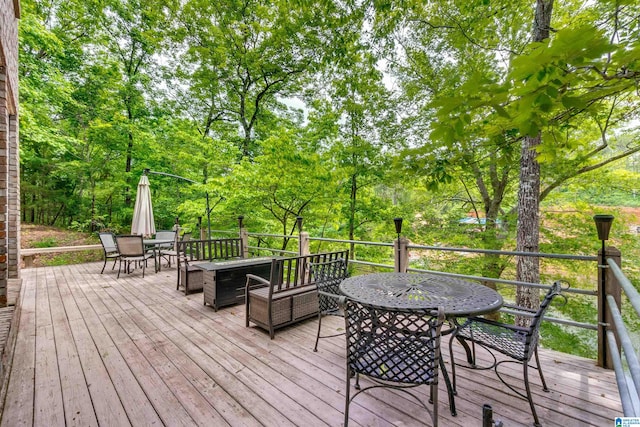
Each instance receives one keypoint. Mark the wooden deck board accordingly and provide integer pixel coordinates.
(18, 405)
(137, 404)
(95, 350)
(48, 390)
(76, 401)
(107, 406)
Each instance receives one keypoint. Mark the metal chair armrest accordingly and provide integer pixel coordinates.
(330, 295)
(508, 326)
(519, 308)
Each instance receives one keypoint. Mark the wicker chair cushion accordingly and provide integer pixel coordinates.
(263, 293)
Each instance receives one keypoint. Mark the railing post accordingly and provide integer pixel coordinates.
(200, 228)
(303, 243)
(176, 236)
(401, 254)
(611, 287)
(244, 237)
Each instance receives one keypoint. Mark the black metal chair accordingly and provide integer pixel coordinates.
(394, 349)
(328, 276)
(519, 343)
(110, 249)
(132, 249)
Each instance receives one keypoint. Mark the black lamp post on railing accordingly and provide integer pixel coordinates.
(240, 219)
(299, 224)
(603, 225)
(398, 223)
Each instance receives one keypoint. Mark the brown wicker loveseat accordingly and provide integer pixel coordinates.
(289, 296)
(192, 252)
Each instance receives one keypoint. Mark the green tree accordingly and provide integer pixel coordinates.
(491, 88)
(132, 32)
(239, 59)
(51, 45)
(286, 181)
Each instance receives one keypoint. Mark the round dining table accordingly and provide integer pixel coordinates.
(423, 292)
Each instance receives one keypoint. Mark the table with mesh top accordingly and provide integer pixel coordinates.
(423, 292)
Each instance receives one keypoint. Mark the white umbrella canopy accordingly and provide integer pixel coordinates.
(143, 221)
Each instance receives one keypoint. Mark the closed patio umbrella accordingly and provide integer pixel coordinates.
(143, 222)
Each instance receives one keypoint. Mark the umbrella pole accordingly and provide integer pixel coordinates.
(208, 216)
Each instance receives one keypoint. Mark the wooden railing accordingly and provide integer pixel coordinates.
(613, 334)
(400, 249)
(29, 254)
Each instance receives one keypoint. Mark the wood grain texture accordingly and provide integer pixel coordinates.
(95, 350)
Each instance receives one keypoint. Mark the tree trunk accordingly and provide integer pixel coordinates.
(528, 268)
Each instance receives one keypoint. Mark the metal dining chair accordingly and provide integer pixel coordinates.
(327, 277)
(393, 349)
(519, 343)
(166, 235)
(110, 249)
(132, 250)
(172, 251)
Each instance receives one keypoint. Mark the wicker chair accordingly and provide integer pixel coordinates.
(395, 349)
(289, 296)
(110, 249)
(191, 252)
(328, 276)
(132, 249)
(517, 342)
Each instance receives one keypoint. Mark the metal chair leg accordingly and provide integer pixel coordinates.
(544, 383)
(315, 348)
(527, 387)
(347, 398)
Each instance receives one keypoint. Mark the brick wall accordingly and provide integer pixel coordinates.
(9, 13)
(13, 233)
(4, 224)
(9, 146)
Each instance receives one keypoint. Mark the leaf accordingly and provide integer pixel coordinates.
(501, 111)
(552, 92)
(544, 102)
(383, 369)
(573, 102)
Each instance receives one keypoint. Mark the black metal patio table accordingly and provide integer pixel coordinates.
(417, 292)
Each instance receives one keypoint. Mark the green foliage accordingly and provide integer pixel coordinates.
(46, 243)
(69, 258)
(348, 114)
(564, 340)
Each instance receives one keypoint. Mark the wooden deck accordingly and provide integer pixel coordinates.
(95, 350)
